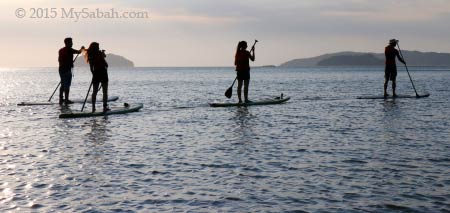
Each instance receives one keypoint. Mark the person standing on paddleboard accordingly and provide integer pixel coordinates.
(65, 59)
(242, 63)
(99, 70)
(390, 72)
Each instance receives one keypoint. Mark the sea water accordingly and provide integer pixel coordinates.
(323, 151)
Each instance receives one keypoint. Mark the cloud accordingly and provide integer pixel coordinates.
(389, 11)
(193, 19)
(183, 29)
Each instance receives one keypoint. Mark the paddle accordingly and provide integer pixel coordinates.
(86, 96)
(54, 92)
(253, 47)
(417, 95)
(229, 91)
(59, 84)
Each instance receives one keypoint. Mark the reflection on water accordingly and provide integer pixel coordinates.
(391, 111)
(389, 105)
(66, 108)
(392, 114)
(96, 140)
(242, 116)
(244, 125)
(98, 134)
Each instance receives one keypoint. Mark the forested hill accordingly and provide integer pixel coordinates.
(112, 59)
(413, 58)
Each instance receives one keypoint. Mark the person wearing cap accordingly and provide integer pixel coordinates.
(65, 59)
(390, 72)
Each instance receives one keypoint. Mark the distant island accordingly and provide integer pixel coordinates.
(267, 66)
(112, 59)
(413, 58)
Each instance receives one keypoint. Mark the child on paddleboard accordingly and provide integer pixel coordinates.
(242, 63)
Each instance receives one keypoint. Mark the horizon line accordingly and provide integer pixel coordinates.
(216, 66)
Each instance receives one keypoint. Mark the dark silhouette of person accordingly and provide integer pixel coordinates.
(99, 70)
(65, 59)
(390, 72)
(242, 63)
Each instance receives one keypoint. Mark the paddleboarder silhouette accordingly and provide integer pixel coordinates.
(65, 59)
(390, 72)
(99, 69)
(242, 62)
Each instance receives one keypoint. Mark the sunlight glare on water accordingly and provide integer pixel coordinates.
(324, 150)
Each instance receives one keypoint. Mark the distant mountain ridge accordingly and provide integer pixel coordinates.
(351, 60)
(112, 59)
(413, 58)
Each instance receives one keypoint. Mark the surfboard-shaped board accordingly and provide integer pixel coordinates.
(267, 101)
(391, 97)
(80, 101)
(127, 108)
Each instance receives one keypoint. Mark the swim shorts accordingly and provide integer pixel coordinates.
(390, 72)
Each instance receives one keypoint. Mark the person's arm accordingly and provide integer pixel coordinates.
(91, 67)
(104, 56)
(252, 54)
(400, 58)
(74, 51)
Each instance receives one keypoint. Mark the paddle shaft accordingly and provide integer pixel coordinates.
(253, 47)
(59, 84)
(74, 61)
(89, 90)
(233, 83)
(407, 71)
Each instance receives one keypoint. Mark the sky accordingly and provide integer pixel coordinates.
(206, 32)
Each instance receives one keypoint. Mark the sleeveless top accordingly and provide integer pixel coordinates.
(242, 61)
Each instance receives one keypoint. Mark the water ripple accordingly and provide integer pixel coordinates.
(324, 151)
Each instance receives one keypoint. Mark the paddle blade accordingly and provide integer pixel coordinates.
(229, 92)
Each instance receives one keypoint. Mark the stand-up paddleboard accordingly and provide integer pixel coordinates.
(392, 97)
(79, 101)
(267, 101)
(127, 108)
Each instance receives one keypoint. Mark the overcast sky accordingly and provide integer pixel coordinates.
(206, 32)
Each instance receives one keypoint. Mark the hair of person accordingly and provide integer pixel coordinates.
(241, 46)
(94, 48)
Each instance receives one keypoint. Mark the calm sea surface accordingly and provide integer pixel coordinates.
(323, 151)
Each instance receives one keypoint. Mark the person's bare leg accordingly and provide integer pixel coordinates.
(246, 84)
(61, 97)
(239, 90)
(66, 93)
(94, 95)
(105, 96)
(394, 85)
(386, 81)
